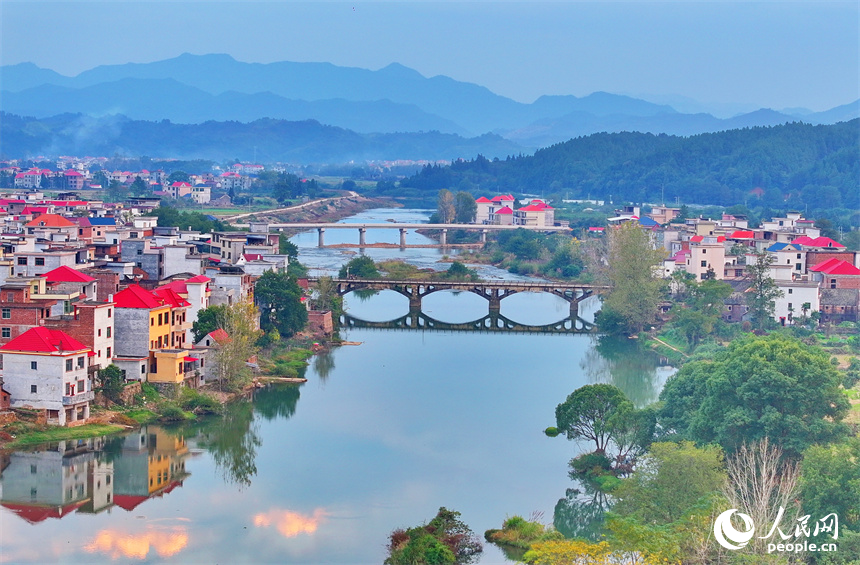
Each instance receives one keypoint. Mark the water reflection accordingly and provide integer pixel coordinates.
(93, 475)
(165, 541)
(290, 524)
(233, 442)
(619, 361)
(581, 513)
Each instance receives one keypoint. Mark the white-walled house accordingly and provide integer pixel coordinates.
(46, 369)
(789, 307)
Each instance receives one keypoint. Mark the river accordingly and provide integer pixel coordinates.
(381, 436)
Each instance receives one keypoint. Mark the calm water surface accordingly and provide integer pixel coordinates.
(380, 437)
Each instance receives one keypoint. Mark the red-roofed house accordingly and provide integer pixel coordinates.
(487, 207)
(67, 280)
(834, 273)
(504, 216)
(535, 214)
(196, 292)
(47, 226)
(46, 369)
(707, 255)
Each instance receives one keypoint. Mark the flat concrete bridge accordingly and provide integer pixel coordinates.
(492, 291)
(403, 227)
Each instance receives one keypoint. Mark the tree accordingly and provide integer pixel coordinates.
(139, 188)
(360, 268)
(465, 208)
(445, 207)
(177, 176)
(587, 411)
(830, 482)
(760, 482)
(763, 292)
(111, 382)
(634, 289)
(758, 387)
(278, 296)
(669, 480)
(239, 321)
(207, 321)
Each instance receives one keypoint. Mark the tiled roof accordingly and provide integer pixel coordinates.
(742, 234)
(841, 268)
(825, 264)
(219, 335)
(134, 296)
(44, 340)
(817, 242)
(199, 279)
(503, 197)
(49, 220)
(67, 274)
(483, 200)
(103, 221)
(783, 247)
(505, 210)
(170, 297)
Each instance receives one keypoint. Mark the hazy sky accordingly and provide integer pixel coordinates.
(771, 54)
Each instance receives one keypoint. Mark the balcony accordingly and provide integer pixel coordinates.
(78, 398)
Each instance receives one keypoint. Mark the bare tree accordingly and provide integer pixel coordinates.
(760, 482)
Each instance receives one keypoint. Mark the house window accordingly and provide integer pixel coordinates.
(34, 366)
(10, 297)
(6, 332)
(152, 321)
(81, 386)
(159, 320)
(832, 283)
(99, 333)
(798, 255)
(40, 261)
(798, 267)
(33, 389)
(6, 313)
(109, 312)
(108, 352)
(68, 364)
(704, 263)
(791, 291)
(80, 362)
(143, 369)
(22, 260)
(108, 331)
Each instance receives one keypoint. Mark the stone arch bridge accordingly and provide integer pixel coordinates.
(492, 291)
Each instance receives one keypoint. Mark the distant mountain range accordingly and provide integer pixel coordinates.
(193, 89)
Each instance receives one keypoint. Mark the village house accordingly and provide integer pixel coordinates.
(46, 370)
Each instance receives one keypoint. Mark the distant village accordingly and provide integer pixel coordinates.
(813, 272)
(80, 280)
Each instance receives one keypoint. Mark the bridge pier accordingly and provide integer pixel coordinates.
(574, 308)
(414, 302)
(443, 239)
(402, 238)
(321, 240)
(362, 240)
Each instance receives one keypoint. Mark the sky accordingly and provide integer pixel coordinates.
(772, 54)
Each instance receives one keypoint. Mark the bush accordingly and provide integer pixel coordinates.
(199, 403)
(171, 412)
(590, 465)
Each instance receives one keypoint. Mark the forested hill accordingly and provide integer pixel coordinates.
(795, 165)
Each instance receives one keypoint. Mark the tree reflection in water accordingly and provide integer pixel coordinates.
(581, 513)
(324, 364)
(233, 440)
(621, 362)
(277, 401)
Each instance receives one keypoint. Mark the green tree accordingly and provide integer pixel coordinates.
(830, 482)
(759, 387)
(139, 188)
(587, 412)
(111, 382)
(763, 292)
(360, 267)
(465, 208)
(278, 296)
(635, 291)
(445, 209)
(207, 321)
(177, 176)
(669, 480)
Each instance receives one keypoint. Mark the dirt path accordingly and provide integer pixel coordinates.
(657, 339)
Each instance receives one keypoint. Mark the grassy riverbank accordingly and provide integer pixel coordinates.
(24, 434)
